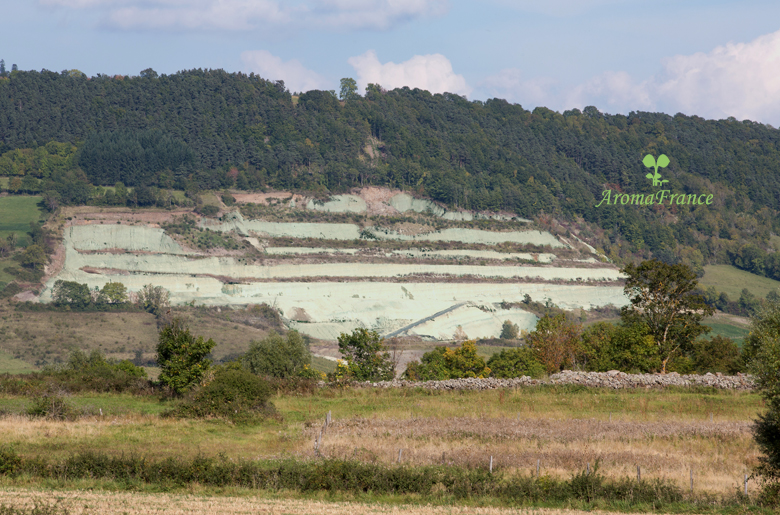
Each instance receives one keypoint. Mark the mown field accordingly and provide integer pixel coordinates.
(732, 280)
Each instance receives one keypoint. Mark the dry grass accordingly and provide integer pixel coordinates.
(78, 502)
(40, 338)
(719, 452)
(666, 433)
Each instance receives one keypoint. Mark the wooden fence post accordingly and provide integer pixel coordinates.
(638, 474)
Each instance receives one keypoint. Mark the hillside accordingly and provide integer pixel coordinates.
(208, 129)
(377, 258)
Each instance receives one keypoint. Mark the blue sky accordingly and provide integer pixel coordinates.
(710, 58)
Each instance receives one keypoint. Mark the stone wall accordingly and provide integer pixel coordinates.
(612, 379)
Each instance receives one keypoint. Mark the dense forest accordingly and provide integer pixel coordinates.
(63, 134)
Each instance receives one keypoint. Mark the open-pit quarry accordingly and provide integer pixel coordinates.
(377, 259)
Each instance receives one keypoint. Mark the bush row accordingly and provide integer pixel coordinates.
(334, 475)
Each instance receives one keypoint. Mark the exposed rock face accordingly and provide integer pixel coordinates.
(612, 379)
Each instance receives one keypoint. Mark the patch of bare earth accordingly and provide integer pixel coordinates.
(80, 502)
(87, 215)
(377, 200)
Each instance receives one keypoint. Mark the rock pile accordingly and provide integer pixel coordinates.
(612, 379)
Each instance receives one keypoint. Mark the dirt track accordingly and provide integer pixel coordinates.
(77, 502)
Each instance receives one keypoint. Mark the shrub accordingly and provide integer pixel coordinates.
(516, 362)
(95, 373)
(607, 347)
(10, 290)
(207, 210)
(442, 363)
(717, 354)
(234, 394)
(278, 356)
(181, 356)
(52, 406)
(228, 199)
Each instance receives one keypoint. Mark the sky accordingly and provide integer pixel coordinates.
(711, 58)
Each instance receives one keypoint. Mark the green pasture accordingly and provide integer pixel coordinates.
(16, 213)
(735, 332)
(11, 365)
(731, 280)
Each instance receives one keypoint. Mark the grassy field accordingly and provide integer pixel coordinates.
(735, 332)
(731, 280)
(11, 365)
(4, 263)
(16, 213)
(665, 432)
(323, 364)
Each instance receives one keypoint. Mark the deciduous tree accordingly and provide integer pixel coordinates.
(181, 356)
(348, 89)
(555, 342)
(71, 293)
(114, 293)
(664, 297)
(366, 356)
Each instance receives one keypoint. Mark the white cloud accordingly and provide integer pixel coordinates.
(245, 15)
(738, 79)
(611, 92)
(431, 72)
(296, 77)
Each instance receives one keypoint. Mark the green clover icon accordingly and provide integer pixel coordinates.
(650, 162)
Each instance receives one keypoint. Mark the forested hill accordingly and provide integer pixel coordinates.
(212, 129)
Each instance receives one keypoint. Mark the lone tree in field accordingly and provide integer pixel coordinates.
(663, 297)
(181, 356)
(367, 359)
